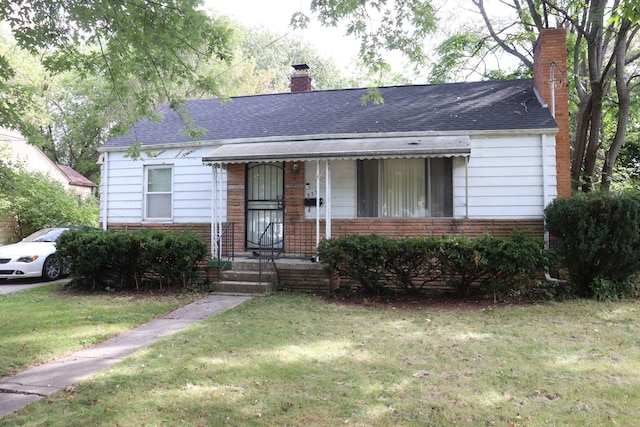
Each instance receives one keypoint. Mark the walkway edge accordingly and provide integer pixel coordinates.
(28, 386)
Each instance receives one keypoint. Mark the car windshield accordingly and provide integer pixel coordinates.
(45, 235)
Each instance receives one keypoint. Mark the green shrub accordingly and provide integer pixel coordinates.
(173, 257)
(126, 260)
(481, 265)
(597, 237)
(356, 257)
(513, 262)
(84, 254)
(412, 263)
(38, 202)
(464, 263)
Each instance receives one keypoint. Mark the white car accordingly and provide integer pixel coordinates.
(33, 256)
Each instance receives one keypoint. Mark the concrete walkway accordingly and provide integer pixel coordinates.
(28, 386)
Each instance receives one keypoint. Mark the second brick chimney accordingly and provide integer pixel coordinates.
(550, 80)
(300, 79)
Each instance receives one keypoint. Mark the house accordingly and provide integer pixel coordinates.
(16, 151)
(290, 169)
(77, 183)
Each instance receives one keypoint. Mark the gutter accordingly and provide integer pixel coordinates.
(321, 137)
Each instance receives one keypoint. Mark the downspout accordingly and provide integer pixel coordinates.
(220, 175)
(545, 198)
(328, 200)
(317, 207)
(552, 88)
(105, 189)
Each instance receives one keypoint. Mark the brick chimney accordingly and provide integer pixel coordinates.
(550, 65)
(300, 79)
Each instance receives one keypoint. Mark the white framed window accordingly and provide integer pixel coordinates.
(405, 188)
(158, 193)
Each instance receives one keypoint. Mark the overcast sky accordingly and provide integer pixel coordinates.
(275, 15)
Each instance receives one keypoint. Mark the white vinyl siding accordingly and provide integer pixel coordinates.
(343, 190)
(503, 178)
(192, 186)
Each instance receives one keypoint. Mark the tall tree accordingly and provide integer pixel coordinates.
(74, 113)
(602, 43)
(263, 59)
(138, 46)
(605, 62)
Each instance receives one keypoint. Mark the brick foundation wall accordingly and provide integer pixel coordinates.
(434, 227)
(308, 277)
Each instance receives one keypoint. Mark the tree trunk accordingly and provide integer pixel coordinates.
(580, 145)
(593, 141)
(624, 106)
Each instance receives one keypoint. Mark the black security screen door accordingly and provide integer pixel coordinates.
(265, 203)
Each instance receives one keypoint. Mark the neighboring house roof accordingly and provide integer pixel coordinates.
(30, 157)
(34, 159)
(75, 178)
(456, 107)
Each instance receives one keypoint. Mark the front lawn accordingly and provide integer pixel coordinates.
(40, 324)
(299, 360)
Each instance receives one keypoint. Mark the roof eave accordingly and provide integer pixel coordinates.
(315, 137)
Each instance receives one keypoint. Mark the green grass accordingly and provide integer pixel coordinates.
(39, 324)
(296, 360)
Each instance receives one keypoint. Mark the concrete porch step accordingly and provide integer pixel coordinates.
(242, 287)
(248, 276)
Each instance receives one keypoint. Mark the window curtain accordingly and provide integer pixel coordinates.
(404, 194)
(368, 188)
(441, 187)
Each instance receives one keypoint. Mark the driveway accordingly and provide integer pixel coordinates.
(14, 285)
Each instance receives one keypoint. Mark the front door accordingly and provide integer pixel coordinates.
(265, 205)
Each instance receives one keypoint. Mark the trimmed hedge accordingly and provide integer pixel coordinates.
(597, 238)
(97, 259)
(482, 265)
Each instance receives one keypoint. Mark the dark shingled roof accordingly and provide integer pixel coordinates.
(487, 105)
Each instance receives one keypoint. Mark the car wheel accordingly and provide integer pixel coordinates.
(51, 269)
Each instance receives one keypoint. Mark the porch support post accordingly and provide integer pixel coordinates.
(317, 203)
(466, 187)
(219, 199)
(214, 211)
(327, 202)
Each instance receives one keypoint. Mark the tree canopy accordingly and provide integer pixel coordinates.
(138, 46)
(603, 50)
(603, 72)
(71, 113)
(379, 25)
